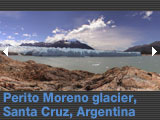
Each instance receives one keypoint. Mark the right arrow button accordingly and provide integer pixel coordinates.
(154, 51)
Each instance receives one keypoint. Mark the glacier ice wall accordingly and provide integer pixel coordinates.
(69, 52)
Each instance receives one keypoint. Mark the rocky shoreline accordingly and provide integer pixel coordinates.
(31, 76)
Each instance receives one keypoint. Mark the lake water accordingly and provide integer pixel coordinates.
(97, 64)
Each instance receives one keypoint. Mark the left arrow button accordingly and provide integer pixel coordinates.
(6, 51)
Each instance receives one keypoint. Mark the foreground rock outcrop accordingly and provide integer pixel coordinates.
(31, 76)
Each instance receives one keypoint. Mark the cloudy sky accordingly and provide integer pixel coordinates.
(107, 30)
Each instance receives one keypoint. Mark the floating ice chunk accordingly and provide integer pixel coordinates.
(96, 64)
(107, 67)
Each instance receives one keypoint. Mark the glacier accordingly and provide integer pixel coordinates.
(68, 52)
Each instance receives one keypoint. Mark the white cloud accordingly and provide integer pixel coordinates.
(110, 22)
(55, 38)
(113, 26)
(16, 43)
(26, 35)
(28, 41)
(29, 35)
(11, 42)
(16, 33)
(10, 37)
(98, 34)
(56, 30)
(147, 15)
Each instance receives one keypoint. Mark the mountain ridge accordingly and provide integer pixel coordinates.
(146, 48)
(60, 44)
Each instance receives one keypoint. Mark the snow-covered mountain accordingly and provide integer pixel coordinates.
(60, 44)
(4, 45)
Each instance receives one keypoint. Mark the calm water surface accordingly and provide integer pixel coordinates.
(97, 64)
